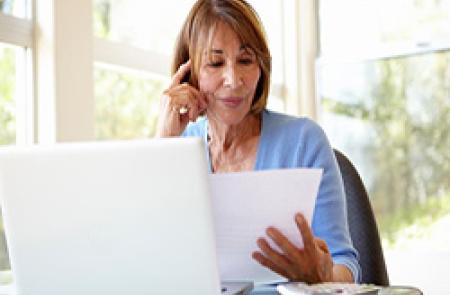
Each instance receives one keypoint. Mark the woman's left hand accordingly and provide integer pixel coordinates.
(312, 264)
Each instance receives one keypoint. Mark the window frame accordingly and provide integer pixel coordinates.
(18, 32)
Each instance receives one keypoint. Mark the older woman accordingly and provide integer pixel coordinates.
(221, 69)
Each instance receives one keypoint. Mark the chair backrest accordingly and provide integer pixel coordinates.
(362, 224)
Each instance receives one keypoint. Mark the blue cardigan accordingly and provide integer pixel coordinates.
(290, 142)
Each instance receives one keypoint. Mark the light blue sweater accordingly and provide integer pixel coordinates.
(290, 142)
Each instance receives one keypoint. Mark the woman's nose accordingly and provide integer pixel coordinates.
(232, 77)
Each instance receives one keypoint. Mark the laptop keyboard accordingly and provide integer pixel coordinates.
(327, 288)
(236, 288)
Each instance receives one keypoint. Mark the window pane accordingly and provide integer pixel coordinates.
(14, 7)
(127, 104)
(358, 27)
(7, 91)
(7, 122)
(392, 118)
(141, 23)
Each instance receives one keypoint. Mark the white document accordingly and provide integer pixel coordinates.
(246, 203)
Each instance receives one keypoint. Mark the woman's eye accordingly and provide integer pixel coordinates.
(216, 64)
(246, 61)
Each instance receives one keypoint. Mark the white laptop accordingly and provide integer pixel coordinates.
(110, 218)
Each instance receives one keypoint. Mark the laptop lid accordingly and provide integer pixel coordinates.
(109, 218)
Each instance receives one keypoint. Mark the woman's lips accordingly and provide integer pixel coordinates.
(231, 102)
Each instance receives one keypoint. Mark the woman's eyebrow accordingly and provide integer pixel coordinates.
(243, 47)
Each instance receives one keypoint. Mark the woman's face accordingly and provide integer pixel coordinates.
(228, 75)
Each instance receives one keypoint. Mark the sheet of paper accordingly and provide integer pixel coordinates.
(246, 203)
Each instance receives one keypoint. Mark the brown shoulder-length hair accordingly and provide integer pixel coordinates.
(196, 34)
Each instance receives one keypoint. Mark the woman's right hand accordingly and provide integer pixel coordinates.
(180, 104)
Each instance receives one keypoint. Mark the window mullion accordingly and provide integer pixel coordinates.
(64, 71)
(17, 31)
(127, 56)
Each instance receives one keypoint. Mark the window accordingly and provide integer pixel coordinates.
(384, 28)
(398, 110)
(15, 68)
(7, 90)
(18, 8)
(119, 116)
(15, 65)
(140, 24)
(384, 91)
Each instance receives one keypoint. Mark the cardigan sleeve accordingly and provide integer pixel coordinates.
(330, 213)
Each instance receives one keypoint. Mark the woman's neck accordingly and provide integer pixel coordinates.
(227, 137)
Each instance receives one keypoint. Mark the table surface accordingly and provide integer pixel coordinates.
(271, 290)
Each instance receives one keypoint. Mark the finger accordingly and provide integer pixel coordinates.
(195, 93)
(184, 98)
(305, 230)
(193, 112)
(258, 256)
(275, 257)
(181, 73)
(322, 245)
(201, 104)
(283, 242)
(194, 104)
(202, 101)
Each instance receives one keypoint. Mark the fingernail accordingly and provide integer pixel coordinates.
(270, 231)
(260, 241)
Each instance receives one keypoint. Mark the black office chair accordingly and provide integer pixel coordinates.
(362, 224)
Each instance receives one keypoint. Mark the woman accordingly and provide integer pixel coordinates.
(222, 69)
